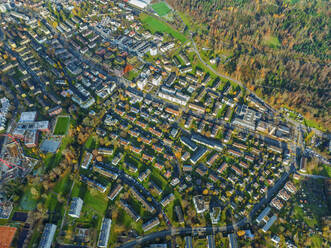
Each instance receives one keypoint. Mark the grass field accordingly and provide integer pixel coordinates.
(271, 41)
(161, 8)
(51, 202)
(91, 142)
(27, 201)
(95, 200)
(63, 185)
(154, 25)
(52, 160)
(62, 125)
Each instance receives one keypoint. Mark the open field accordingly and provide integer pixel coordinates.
(161, 8)
(27, 201)
(62, 125)
(91, 142)
(271, 41)
(154, 25)
(95, 201)
(64, 184)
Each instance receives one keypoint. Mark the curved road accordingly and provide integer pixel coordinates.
(312, 176)
(182, 231)
(227, 77)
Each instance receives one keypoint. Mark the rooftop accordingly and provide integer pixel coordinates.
(28, 116)
(7, 234)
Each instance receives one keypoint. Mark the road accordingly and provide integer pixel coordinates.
(312, 176)
(184, 231)
(227, 77)
(130, 181)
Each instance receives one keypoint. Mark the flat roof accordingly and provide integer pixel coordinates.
(50, 145)
(263, 214)
(269, 223)
(28, 116)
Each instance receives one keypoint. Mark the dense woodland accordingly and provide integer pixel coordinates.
(278, 48)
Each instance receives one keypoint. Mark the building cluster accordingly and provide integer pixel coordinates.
(164, 117)
(28, 128)
(267, 216)
(283, 196)
(47, 236)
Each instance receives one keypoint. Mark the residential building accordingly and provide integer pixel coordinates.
(188, 142)
(142, 200)
(188, 242)
(107, 172)
(150, 224)
(199, 204)
(211, 143)
(211, 241)
(275, 239)
(263, 214)
(104, 233)
(179, 214)
(94, 184)
(112, 195)
(76, 207)
(269, 223)
(47, 236)
(166, 200)
(201, 151)
(129, 210)
(233, 240)
(87, 160)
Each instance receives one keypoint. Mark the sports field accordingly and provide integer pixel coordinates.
(161, 8)
(154, 25)
(62, 125)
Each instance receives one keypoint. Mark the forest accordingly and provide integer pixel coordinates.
(278, 48)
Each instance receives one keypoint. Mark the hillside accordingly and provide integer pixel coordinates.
(278, 48)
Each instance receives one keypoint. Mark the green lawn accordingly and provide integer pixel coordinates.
(91, 142)
(51, 202)
(155, 25)
(52, 160)
(34, 238)
(314, 124)
(62, 125)
(75, 190)
(27, 201)
(63, 185)
(95, 200)
(298, 212)
(311, 222)
(316, 241)
(161, 8)
(126, 223)
(271, 41)
(131, 75)
(321, 169)
(221, 111)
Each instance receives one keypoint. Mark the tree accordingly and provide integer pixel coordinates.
(35, 193)
(54, 24)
